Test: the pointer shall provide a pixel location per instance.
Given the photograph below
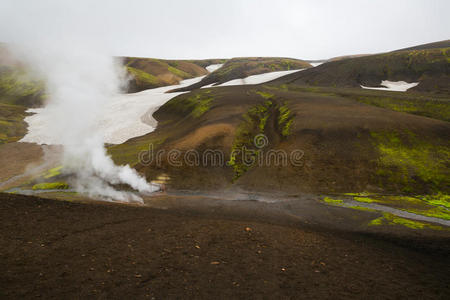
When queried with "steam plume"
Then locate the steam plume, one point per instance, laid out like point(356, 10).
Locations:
point(80, 81)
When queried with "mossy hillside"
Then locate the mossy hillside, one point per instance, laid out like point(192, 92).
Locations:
point(428, 107)
point(151, 72)
point(178, 72)
point(247, 66)
point(430, 67)
point(423, 104)
point(143, 78)
point(12, 125)
point(19, 88)
point(254, 123)
point(193, 104)
point(128, 153)
point(285, 116)
point(411, 164)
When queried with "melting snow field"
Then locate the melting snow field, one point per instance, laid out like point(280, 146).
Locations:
point(126, 116)
point(255, 79)
point(396, 86)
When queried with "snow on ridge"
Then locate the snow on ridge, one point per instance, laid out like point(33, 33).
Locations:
point(212, 68)
point(254, 79)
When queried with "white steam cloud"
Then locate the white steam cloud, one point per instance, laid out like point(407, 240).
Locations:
point(80, 81)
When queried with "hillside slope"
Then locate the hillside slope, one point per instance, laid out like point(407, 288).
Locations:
point(242, 67)
point(18, 91)
point(431, 68)
point(346, 145)
point(434, 45)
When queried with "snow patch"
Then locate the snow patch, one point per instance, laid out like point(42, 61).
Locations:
point(125, 117)
point(212, 68)
point(396, 86)
point(257, 79)
point(315, 64)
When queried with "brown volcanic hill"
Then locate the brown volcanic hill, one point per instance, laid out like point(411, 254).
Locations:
point(150, 72)
point(347, 145)
point(431, 68)
point(242, 67)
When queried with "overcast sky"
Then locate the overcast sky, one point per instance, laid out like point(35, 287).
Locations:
point(228, 28)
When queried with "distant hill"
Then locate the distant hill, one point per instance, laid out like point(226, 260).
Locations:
point(242, 67)
point(441, 44)
point(429, 67)
point(147, 73)
point(347, 57)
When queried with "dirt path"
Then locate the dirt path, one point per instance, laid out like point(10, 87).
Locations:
point(57, 249)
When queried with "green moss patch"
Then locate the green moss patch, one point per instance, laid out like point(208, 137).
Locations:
point(143, 77)
point(436, 206)
point(390, 219)
point(265, 95)
point(438, 199)
point(333, 201)
point(51, 186)
point(285, 120)
point(178, 72)
point(128, 153)
point(12, 125)
point(422, 106)
point(411, 164)
point(254, 123)
point(193, 104)
point(365, 199)
point(18, 88)
point(52, 172)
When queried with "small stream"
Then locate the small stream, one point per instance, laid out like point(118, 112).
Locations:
point(396, 212)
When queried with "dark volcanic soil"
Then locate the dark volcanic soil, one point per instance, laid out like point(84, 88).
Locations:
point(56, 249)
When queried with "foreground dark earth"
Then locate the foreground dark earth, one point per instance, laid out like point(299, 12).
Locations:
point(56, 249)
